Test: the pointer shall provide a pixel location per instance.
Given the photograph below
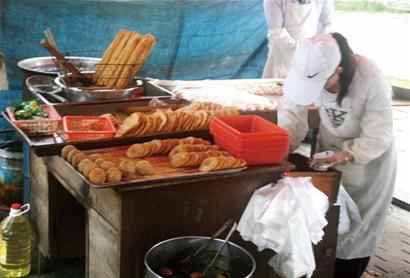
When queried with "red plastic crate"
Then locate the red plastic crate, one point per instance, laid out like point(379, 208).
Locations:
point(38, 127)
point(250, 131)
point(252, 138)
point(81, 128)
point(253, 157)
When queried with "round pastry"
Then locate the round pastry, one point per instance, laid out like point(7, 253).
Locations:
point(98, 161)
point(128, 168)
point(143, 167)
point(114, 175)
point(97, 176)
point(88, 168)
point(105, 165)
point(77, 158)
point(71, 155)
point(83, 163)
point(95, 156)
point(66, 150)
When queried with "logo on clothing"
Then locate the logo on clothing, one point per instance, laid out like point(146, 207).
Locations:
point(313, 75)
point(337, 116)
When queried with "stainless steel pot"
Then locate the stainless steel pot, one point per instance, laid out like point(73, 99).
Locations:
point(234, 260)
point(77, 94)
point(47, 66)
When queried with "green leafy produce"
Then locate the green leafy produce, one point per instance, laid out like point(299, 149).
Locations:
point(28, 110)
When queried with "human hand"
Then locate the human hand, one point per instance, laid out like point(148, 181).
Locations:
point(340, 158)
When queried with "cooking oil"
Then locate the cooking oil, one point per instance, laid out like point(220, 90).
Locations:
point(15, 243)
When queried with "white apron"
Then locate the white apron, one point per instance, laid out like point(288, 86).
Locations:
point(362, 126)
point(300, 22)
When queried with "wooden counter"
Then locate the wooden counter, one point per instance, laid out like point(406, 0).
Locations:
point(115, 228)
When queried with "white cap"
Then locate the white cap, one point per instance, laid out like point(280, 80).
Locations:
point(314, 61)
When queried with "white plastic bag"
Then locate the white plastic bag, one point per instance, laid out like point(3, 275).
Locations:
point(296, 259)
point(286, 218)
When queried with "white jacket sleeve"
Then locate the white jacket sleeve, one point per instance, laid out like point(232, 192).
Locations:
point(326, 9)
point(376, 125)
point(275, 18)
point(293, 118)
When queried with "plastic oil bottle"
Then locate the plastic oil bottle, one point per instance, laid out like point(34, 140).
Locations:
point(15, 243)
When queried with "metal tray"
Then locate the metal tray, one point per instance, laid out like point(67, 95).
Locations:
point(149, 89)
point(52, 144)
point(159, 161)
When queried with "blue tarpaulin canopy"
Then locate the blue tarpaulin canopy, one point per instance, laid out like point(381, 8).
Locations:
point(196, 39)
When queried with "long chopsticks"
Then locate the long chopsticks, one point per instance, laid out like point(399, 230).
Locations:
point(50, 44)
point(50, 37)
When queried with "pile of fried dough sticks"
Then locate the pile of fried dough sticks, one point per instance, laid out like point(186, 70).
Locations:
point(123, 59)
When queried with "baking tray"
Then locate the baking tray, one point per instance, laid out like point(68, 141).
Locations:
point(52, 144)
point(162, 169)
point(149, 89)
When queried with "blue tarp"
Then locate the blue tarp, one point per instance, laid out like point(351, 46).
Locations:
point(196, 39)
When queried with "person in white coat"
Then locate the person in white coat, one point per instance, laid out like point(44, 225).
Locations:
point(288, 22)
point(354, 102)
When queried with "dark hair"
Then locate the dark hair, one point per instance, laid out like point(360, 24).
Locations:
point(347, 63)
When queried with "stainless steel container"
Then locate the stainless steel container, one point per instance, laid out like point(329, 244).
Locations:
point(234, 260)
point(76, 94)
point(47, 66)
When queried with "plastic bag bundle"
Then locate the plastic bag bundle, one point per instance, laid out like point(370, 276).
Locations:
point(286, 218)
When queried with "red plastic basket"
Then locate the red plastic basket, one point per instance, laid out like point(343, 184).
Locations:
point(253, 157)
point(81, 128)
point(38, 127)
point(250, 131)
point(252, 138)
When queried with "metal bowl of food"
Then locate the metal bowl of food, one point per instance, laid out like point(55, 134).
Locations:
point(48, 65)
point(80, 89)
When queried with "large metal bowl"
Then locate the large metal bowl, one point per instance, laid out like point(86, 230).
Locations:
point(48, 65)
point(235, 260)
point(77, 94)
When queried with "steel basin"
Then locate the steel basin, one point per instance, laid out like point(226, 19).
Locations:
point(76, 94)
point(48, 65)
point(235, 260)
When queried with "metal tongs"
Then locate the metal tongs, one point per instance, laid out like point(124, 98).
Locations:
point(207, 242)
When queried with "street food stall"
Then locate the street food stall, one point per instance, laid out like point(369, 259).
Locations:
point(118, 165)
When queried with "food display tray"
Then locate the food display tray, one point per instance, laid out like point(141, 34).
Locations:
point(52, 144)
point(162, 170)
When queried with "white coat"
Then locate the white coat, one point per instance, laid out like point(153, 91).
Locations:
point(363, 127)
point(288, 22)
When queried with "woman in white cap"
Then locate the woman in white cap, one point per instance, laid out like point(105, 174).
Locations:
point(354, 101)
point(288, 22)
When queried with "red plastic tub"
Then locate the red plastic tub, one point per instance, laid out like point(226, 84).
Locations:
point(81, 128)
point(253, 157)
point(252, 138)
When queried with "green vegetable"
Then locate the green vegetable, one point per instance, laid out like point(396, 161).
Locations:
point(28, 110)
